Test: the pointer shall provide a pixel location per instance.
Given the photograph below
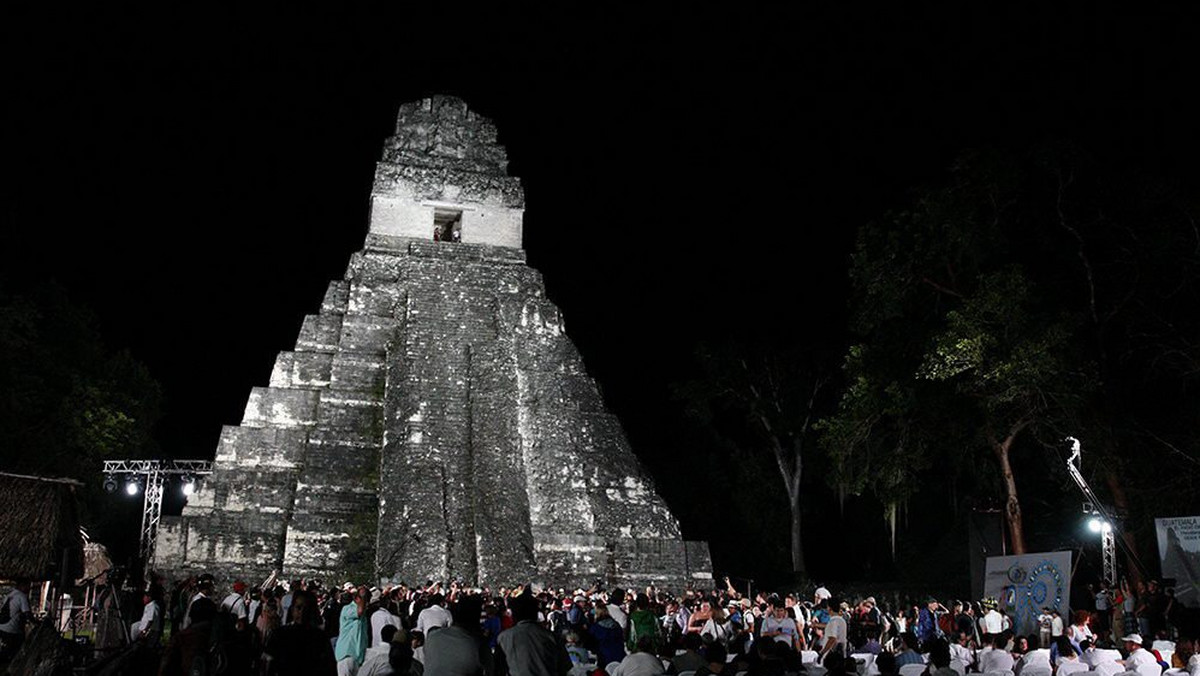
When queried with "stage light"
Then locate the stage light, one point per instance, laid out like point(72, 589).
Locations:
point(110, 484)
point(189, 486)
point(1106, 527)
point(1096, 525)
point(132, 487)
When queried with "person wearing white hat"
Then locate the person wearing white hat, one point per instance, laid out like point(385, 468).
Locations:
point(1139, 657)
point(821, 594)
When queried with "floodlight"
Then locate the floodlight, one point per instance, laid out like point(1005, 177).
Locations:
point(132, 487)
point(110, 484)
point(189, 486)
point(1096, 525)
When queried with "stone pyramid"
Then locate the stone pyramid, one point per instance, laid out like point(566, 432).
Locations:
point(434, 421)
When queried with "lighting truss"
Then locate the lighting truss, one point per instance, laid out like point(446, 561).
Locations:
point(153, 474)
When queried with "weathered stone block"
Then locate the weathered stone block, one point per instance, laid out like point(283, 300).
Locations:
point(280, 407)
point(260, 447)
point(302, 369)
point(367, 334)
point(335, 299)
point(358, 372)
point(320, 333)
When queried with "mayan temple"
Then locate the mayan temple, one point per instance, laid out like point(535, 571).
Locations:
point(433, 421)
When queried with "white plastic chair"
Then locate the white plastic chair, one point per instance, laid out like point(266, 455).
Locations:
point(959, 667)
point(611, 667)
point(1067, 667)
point(1108, 654)
point(808, 656)
point(1006, 672)
point(866, 664)
point(1150, 669)
point(1035, 670)
point(912, 670)
point(1108, 668)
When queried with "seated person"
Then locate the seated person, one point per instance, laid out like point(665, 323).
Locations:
point(909, 655)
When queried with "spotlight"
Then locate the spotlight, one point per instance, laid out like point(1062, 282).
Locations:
point(189, 486)
point(110, 484)
point(1106, 527)
point(132, 487)
point(1096, 525)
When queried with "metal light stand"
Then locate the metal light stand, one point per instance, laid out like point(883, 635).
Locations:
point(1108, 540)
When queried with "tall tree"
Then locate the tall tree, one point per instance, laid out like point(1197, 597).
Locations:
point(763, 401)
point(958, 342)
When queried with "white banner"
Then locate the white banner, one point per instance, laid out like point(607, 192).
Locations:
point(1179, 554)
point(1026, 583)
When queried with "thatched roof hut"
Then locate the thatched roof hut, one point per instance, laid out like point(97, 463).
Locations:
point(38, 526)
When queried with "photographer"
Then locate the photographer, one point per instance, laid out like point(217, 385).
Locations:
point(15, 612)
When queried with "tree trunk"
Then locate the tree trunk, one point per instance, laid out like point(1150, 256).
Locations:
point(1012, 506)
point(797, 543)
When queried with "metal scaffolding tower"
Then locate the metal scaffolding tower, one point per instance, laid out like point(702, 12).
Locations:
point(152, 475)
point(1107, 523)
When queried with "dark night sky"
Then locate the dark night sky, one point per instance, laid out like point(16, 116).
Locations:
point(197, 180)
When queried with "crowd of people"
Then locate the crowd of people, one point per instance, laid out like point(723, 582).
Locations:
point(304, 627)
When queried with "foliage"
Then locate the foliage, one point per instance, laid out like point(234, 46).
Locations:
point(67, 403)
point(1008, 305)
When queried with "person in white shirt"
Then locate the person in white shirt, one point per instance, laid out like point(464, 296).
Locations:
point(780, 627)
point(997, 659)
point(434, 617)
point(641, 662)
point(1068, 661)
point(1080, 630)
point(285, 604)
point(615, 610)
point(836, 632)
point(1037, 659)
point(375, 663)
point(382, 617)
point(1056, 624)
point(13, 631)
point(959, 650)
point(1139, 657)
point(1045, 623)
point(235, 603)
point(992, 622)
point(149, 627)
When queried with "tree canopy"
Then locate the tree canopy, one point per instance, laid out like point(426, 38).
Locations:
point(1027, 298)
point(67, 402)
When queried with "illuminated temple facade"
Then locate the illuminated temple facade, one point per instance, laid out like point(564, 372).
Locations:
point(434, 421)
